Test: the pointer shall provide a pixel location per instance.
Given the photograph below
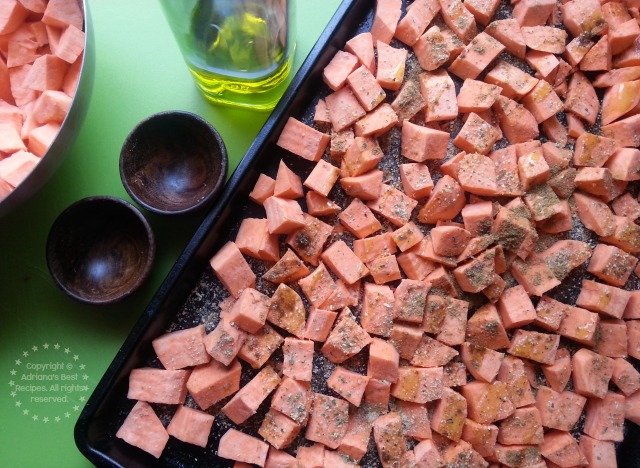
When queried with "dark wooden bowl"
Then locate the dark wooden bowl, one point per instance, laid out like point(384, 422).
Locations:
point(173, 162)
point(100, 250)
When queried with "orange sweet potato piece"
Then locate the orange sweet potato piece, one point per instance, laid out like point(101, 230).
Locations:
point(143, 429)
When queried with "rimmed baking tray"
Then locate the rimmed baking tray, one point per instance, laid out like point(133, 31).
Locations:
point(190, 294)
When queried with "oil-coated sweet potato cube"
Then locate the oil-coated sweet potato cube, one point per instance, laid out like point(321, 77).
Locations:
point(453, 325)
point(263, 189)
point(232, 269)
point(143, 429)
point(255, 240)
point(365, 88)
point(523, 427)
point(626, 205)
point(410, 300)
point(359, 219)
point(415, 419)
point(431, 50)
point(298, 359)
point(487, 402)
point(377, 309)
point(446, 201)
point(506, 170)
point(542, 101)
point(408, 101)
point(439, 92)
point(246, 401)
point(538, 347)
point(514, 83)
point(591, 373)
point(477, 96)
point(432, 353)
point(365, 187)
point(633, 338)
point(579, 325)
point(625, 377)
point(513, 373)
point(158, 385)
point(449, 415)
point(378, 393)
point(603, 298)
point(482, 363)
point(455, 374)
point(293, 399)
point(209, 383)
point(485, 328)
point(611, 339)
point(181, 348)
point(383, 361)
point(224, 342)
point(476, 274)
point(279, 430)
point(482, 10)
point(344, 263)
point(393, 205)
point(626, 235)
point(516, 122)
point(405, 338)
point(449, 241)
point(288, 269)
point(545, 64)
point(416, 180)
point(559, 410)
point(370, 248)
point(302, 140)
point(422, 143)
point(459, 19)
point(319, 323)
point(558, 374)
point(482, 437)
point(328, 420)
point(191, 425)
point(476, 172)
point(389, 438)
point(414, 265)
point(258, 347)
point(391, 65)
point(348, 384)
point(476, 56)
point(250, 311)
point(611, 264)
point(318, 286)
point(355, 442)
point(419, 385)
point(595, 214)
point(322, 177)
point(507, 32)
point(286, 310)
point(623, 164)
point(476, 135)
point(535, 276)
point(550, 313)
point(593, 150)
point(312, 456)
point(346, 339)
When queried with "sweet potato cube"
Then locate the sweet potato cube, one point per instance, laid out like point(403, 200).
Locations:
point(538, 347)
point(602, 298)
point(298, 359)
point(533, 12)
point(516, 308)
point(513, 373)
point(355, 442)
point(514, 83)
point(449, 415)
point(302, 140)
point(322, 178)
point(258, 347)
point(485, 328)
point(143, 429)
point(605, 417)
point(477, 173)
point(482, 437)
point(591, 373)
point(405, 338)
point(283, 215)
point(446, 201)
point(410, 300)
point(312, 456)
point(476, 135)
point(625, 377)
point(359, 219)
point(507, 31)
point(336, 72)
point(393, 205)
point(593, 150)
point(319, 323)
point(377, 309)
point(611, 264)
point(158, 385)
point(561, 448)
point(611, 338)
point(432, 353)
point(341, 259)
point(523, 427)
point(598, 453)
point(181, 348)
point(431, 49)
point(558, 374)
point(365, 88)
point(344, 110)
point(232, 269)
point(418, 16)
point(419, 385)
point(422, 143)
point(439, 92)
point(263, 189)
point(579, 325)
point(477, 96)
point(385, 20)
point(477, 274)
point(346, 339)
point(250, 311)
point(453, 325)
point(459, 19)
point(209, 383)
point(191, 425)
point(47, 72)
point(476, 56)
point(408, 101)
point(623, 164)
point(633, 338)
point(255, 240)
point(391, 65)
point(487, 402)
point(542, 101)
point(293, 399)
point(224, 342)
point(348, 384)
point(377, 122)
point(286, 310)
point(388, 435)
point(535, 276)
point(559, 410)
point(328, 420)
point(482, 363)
point(246, 401)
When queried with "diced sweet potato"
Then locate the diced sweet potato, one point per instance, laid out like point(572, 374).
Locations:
point(328, 420)
point(303, 140)
point(143, 429)
point(212, 382)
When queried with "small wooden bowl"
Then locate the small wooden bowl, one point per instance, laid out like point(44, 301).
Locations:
point(100, 250)
point(173, 162)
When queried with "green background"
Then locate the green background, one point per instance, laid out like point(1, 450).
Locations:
point(138, 71)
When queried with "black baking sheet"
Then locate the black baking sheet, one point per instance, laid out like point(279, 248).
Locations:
point(190, 294)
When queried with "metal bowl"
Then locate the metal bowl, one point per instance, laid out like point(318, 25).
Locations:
point(69, 128)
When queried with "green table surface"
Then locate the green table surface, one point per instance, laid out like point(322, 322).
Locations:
point(51, 346)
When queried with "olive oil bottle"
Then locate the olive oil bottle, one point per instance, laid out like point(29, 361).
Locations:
point(239, 52)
